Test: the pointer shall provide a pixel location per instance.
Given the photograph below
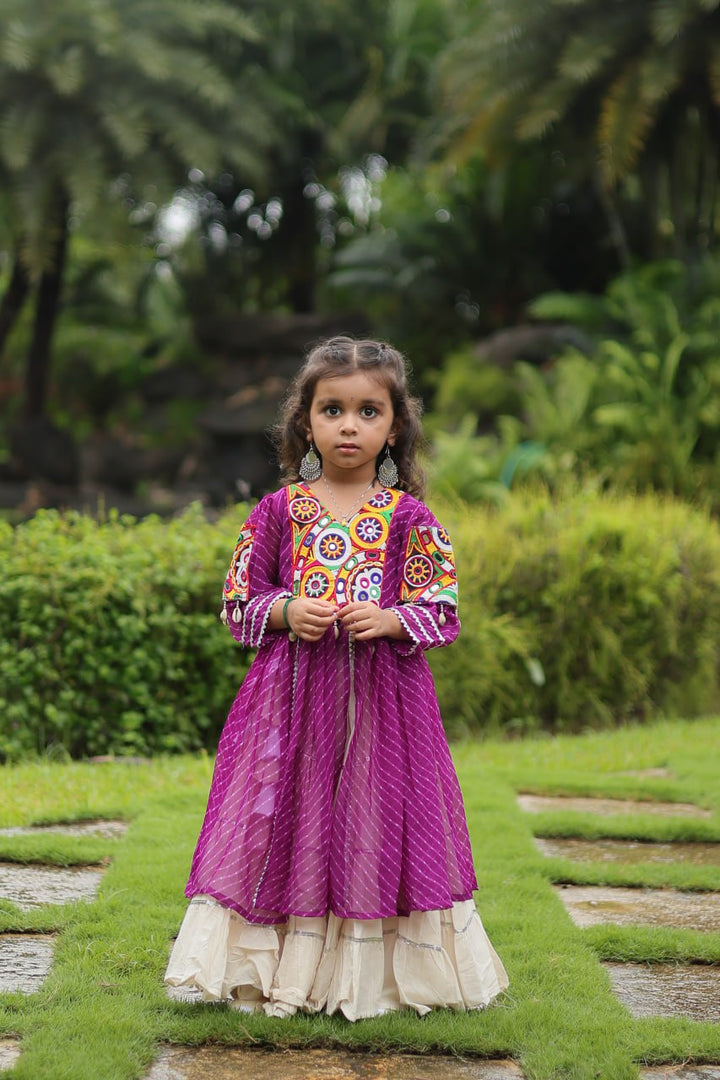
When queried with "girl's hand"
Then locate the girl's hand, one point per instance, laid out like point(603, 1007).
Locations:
point(366, 620)
point(310, 619)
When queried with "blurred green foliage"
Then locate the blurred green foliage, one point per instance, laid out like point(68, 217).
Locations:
point(641, 411)
point(435, 164)
point(626, 92)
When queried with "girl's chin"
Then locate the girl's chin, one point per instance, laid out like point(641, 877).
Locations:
point(343, 467)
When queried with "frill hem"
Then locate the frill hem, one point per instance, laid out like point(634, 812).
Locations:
point(426, 960)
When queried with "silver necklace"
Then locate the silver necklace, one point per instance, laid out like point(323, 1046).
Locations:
point(343, 518)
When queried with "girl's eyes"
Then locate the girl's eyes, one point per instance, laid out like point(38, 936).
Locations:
point(368, 411)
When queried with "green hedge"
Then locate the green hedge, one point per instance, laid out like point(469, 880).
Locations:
point(587, 612)
point(582, 613)
point(110, 640)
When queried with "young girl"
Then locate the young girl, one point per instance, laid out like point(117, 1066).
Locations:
point(333, 869)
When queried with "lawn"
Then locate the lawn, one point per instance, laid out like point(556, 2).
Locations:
point(103, 1010)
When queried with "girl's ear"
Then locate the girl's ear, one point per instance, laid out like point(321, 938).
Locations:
point(302, 427)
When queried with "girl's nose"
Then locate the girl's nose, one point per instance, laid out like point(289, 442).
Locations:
point(349, 423)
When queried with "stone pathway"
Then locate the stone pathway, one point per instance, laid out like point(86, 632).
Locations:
point(657, 773)
point(628, 851)
point(185, 1063)
point(25, 960)
point(9, 1053)
point(673, 990)
point(589, 905)
point(108, 830)
point(680, 1072)
point(691, 990)
point(30, 886)
point(539, 804)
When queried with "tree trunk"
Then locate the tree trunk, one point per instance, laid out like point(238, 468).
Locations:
point(677, 204)
point(13, 299)
point(46, 311)
point(300, 237)
point(301, 265)
point(618, 236)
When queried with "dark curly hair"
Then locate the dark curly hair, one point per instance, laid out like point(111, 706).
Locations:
point(343, 356)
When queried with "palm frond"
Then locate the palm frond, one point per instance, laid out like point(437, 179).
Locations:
point(66, 71)
point(582, 60)
point(628, 112)
point(546, 107)
point(669, 19)
point(17, 45)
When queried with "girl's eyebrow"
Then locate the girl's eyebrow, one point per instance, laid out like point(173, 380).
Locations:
point(375, 402)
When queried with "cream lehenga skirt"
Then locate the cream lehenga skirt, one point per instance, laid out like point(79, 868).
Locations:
point(428, 959)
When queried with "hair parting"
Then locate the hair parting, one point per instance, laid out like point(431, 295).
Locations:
point(343, 356)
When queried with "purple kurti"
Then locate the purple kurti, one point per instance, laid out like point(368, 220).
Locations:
point(334, 789)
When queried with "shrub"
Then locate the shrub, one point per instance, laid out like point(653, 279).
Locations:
point(640, 412)
point(582, 612)
point(109, 635)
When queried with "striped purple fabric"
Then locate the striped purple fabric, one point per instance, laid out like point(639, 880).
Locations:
point(334, 789)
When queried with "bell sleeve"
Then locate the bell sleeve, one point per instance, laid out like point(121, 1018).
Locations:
point(427, 606)
point(251, 587)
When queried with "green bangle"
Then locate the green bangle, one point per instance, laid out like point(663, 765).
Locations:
point(284, 610)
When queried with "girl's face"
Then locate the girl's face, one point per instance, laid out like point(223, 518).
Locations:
point(351, 419)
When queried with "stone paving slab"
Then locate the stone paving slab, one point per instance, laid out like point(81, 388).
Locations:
point(30, 886)
point(628, 851)
point(538, 804)
point(106, 829)
point(589, 905)
point(653, 773)
point(9, 1053)
point(680, 1072)
point(25, 960)
point(687, 990)
point(185, 1063)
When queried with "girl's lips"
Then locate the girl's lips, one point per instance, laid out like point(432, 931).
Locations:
point(347, 447)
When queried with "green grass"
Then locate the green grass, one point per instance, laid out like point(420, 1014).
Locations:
point(103, 1011)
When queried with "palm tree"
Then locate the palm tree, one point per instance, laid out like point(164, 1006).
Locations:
point(95, 93)
point(636, 83)
point(345, 81)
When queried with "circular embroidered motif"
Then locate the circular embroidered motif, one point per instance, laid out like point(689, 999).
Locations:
point(362, 581)
point(304, 509)
point(369, 530)
point(332, 546)
point(442, 539)
point(381, 499)
point(317, 583)
point(418, 571)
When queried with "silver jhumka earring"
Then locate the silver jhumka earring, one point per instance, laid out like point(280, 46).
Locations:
point(388, 473)
point(310, 465)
